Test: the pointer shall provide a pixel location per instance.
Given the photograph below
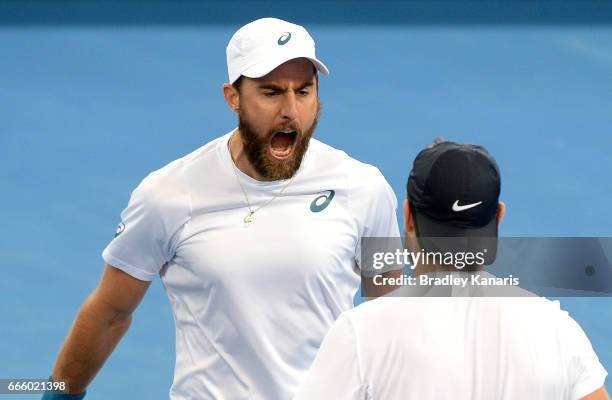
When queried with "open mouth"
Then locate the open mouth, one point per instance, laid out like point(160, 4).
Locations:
point(282, 144)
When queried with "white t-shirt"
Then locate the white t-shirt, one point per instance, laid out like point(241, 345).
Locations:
point(471, 348)
point(252, 304)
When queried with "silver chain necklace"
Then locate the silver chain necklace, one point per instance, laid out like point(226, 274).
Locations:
point(248, 218)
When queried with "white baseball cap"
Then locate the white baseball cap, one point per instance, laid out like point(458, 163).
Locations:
point(262, 45)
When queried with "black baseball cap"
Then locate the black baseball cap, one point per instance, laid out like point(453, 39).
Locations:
point(454, 192)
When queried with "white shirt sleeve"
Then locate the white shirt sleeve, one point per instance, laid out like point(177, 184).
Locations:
point(336, 371)
point(374, 204)
point(150, 225)
point(586, 372)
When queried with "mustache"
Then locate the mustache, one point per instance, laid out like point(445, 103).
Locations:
point(291, 126)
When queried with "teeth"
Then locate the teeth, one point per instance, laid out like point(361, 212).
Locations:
point(287, 131)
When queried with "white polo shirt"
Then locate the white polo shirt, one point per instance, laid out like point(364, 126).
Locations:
point(252, 304)
point(470, 348)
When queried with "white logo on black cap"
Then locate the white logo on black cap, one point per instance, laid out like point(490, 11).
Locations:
point(458, 208)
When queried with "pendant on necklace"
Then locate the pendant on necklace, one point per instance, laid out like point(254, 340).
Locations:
point(248, 218)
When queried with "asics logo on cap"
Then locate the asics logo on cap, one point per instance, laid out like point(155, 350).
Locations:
point(458, 208)
point(284, 38)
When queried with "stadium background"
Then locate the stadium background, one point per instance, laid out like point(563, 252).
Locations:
point(94, 95)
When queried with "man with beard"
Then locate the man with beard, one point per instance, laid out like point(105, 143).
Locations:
point(255, 236)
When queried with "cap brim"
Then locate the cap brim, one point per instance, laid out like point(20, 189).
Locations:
point(265, 67)
point(435, 236)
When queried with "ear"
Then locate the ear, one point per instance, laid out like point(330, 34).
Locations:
point(501, 212)
point(408, 219)
point(232, 96)
point(410, 241)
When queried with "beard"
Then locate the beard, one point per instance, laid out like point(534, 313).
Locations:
point(256, 147)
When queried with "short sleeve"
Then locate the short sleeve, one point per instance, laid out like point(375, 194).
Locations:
point(374, 204)
point(336, 371)
point(585, 371)
point(150, 225)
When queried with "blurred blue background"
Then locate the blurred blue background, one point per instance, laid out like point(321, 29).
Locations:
point(92, 101)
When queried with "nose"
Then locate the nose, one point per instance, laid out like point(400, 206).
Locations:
point(289, 107)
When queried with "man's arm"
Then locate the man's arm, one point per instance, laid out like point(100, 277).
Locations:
point(101, 322)
point(336, 372)
point(599, 394)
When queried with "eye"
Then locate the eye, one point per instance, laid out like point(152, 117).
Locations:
point(271, 93)
point(303, 92)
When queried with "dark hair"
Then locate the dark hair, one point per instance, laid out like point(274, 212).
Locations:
point(237, 83)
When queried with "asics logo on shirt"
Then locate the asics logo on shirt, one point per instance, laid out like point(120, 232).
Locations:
point(457, 207)
point(120, 229)
point(321, 202)
point(284, 38)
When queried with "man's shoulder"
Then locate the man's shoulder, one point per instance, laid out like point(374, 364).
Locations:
point(173, 171)
point(169, 182)
point(205, 151)
point(376, 311)
point(325, 152)
point(359, 172)
point(539, 309)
